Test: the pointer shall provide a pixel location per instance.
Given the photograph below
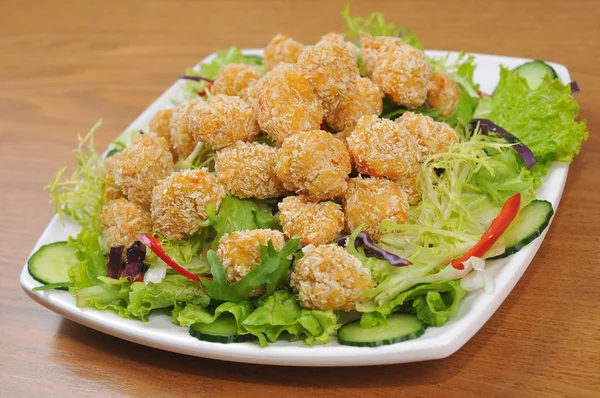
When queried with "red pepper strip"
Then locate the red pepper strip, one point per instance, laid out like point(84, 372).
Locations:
point(496, 229)
point(156, 247)
point(208, 87)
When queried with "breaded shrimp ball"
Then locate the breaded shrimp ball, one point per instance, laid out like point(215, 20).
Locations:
point(331, 70)
point(402, 72)
point(247, 170)
point(179, 202)
point(122, 220)
point(366, 99)
point(382, 148)
point(160, 124)
point(315, 164)
point(239, 252)
point(371, 46)
point(282, 49)
point(285, 103)
point(328, 278)
point(234, 79)
point(338, 38)
point(431, 136)
point(111, 166)
point(412, 189)
point(183, 141)
point(222, 121)
point(315, 223)
point(139, 167)
point(442, 94)
point(369, 201)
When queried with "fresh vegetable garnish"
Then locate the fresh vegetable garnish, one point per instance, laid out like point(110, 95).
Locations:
point(196, 78)
point(574, 87)
point(114, 262)
point(487, 125)
point(372, 250)
point(496, 229)
point(154, 244)
point(136, 254)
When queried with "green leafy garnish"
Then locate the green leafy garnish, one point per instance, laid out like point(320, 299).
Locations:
point(271, 272)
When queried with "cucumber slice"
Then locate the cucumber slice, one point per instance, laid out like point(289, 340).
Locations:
point(534, 72)
point(531, 221)
point(222, 330)
point(400, 327)
point(51, 263)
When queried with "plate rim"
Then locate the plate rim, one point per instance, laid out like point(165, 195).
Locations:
point(277, 354)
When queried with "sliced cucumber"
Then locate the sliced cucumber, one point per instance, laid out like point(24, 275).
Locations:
point(531, 221)
point(222, 330)
point(400, 327)
point(534, 72)
point(51, 263)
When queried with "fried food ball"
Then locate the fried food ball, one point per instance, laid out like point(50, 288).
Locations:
point(160, 124)
point(122, 220)
point(315, 164)
point(442, 94)
point(382, 148)
point(222, 121)
point(239, 252)
point(431, 136)
point(338, 38)
point(247, 170)
point(369, 201)
point(182, 137)
point(112, 191)
point(366, 99)
point(400, 70)
point(285, 103)
point(234, 79)
point(314, 223)
point(411, 188)
point(139, 167)
point(328, 278)
point(331, 70)
point(179, 202)
point(282, 49)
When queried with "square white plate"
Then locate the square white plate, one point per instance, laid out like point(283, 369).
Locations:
point(437, 342)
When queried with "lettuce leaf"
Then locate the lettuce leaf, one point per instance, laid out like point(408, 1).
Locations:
point(375, 25)
point(92, 262)
point(238, 215)
point(544, 118)
point(108, 295)
point(189, 314)
point(271, 272)
point(433, 303)
point(280, 313)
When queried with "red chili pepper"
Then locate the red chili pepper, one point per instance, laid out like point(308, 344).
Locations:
point(480, 93)
point(496, 229)
point(208, 87)
point(156, 247)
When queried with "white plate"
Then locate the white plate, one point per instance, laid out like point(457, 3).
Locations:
point(437, 342)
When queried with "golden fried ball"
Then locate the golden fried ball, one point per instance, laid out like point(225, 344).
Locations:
point(314, 223)
point(179, 202)
point(328, 278)
point(285, 103)
point(223, 121)
point(182, 137)
point(339, 39)
point(239, 252)
point(431, 136)
point(382, 148)
point(331, 70)
point(122, 220)
point(371, 46)
point(366, 99)
point(111, 166)
point(234, 79)
point(315, 164)
point(442, 94)
point(160, 124)
point(282, 49)
point(139, 167)
point(411, 188)
point(369, 201)
point(247, 170)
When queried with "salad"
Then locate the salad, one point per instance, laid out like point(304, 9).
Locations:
point(352, 189)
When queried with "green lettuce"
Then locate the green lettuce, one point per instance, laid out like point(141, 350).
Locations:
point(92, 262)
point(271, 272)
point(375, 25)
point(111, 294)
point(433, 303)
point(544, 118)
point(281, 313)
point(238, 215)
point(189, 314)
point(188, 252)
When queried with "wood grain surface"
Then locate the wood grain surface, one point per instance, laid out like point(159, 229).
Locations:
point(64, 64)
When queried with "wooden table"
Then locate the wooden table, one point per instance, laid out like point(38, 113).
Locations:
point(64, 64)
